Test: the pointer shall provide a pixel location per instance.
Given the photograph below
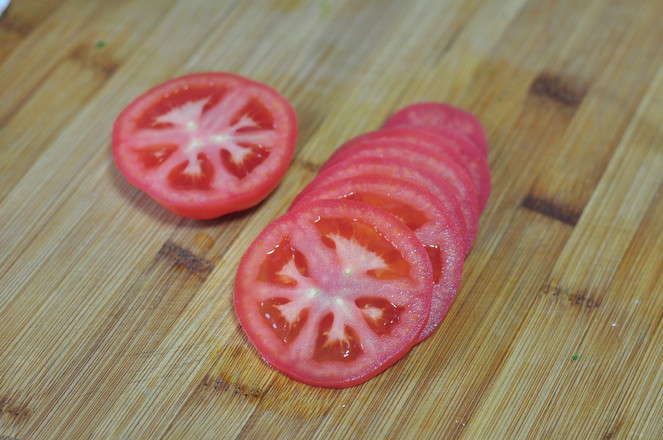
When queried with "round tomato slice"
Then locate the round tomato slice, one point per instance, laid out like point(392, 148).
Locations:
point(403, 169)
point(334, 292)
point(427, 157)
point(459, 148)
point(206, 144)
point(423, 213)
point(434, 115)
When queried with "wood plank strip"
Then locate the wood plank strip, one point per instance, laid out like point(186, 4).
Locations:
point(89, 186)
point(618, 204)
point(36, 55)
point(614, 95)
point(573, 319)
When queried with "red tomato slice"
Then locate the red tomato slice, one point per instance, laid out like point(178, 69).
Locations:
point(423, 213)
point(459, 148)
point(433, 115)
point(427, 157)
point(403, 169)
point(333, 293)
point(206, 144)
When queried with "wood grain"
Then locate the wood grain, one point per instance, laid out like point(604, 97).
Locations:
point(116, 317)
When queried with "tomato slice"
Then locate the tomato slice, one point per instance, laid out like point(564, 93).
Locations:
point(206, 144)
point(423, 213)
point(334, 292)
point(403, 169)
point(427, 157)
point(435, 115)
point(457, 146)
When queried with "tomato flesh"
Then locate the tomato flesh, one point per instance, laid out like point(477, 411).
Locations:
point(206, 144)
point(435, 115)
point(333, 293)
point(417, 208)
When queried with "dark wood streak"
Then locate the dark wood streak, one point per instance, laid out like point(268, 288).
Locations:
point(97, 59)
point(181, 257)
point(558, 89)
point(220, 384)
point(565, 214)
point(16, 26)
point(22, 22)
point(613, 431)
point(19, 412)
point(437, 57)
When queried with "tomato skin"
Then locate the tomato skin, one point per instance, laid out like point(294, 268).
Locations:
point(203, 197)
point(403, 169)
point(435, 115)
point(304, 358)
point(461, 150)
point(425, 156)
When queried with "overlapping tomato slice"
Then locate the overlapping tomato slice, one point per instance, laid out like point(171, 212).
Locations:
point(425, 156)
point(206, 144)
point(438, 115)
point(333, 294)
point(403, 169)
point(369, 258)
point(459, 149)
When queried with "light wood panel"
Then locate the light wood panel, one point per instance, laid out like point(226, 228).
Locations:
point(116, 317)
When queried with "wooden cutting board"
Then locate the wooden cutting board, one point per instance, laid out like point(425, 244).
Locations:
point(116, 317)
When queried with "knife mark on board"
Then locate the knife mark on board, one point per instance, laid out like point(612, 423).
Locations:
point(184, 258)
point(578, 297)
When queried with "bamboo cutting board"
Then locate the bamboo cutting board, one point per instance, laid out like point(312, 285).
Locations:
point(116, 317)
